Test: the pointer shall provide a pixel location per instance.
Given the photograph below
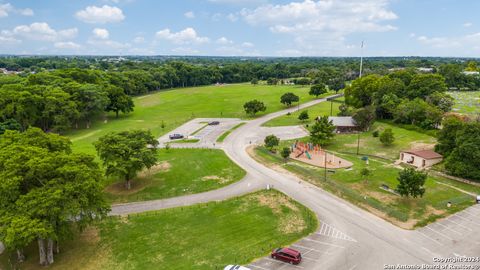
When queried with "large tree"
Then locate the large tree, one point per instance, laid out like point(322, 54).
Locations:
point(464, 159)
point(423, 85)
point(364, 117)
point(289, 98)
point(126, 153)
point(317, 89)
point(411, 183)
point(254, 106)
point(46, 192)
point(447, 136)
point(118, 101)
point(322, 131)
point(271, 141)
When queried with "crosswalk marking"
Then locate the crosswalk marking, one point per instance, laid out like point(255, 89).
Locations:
point(330, 231)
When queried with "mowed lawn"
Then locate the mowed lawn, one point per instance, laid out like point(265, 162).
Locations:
point(404, 139)
point(350, 185)
point(321, 109)
point(205, 236)
point(177, 106)
point(467, 102)
point(180, 172)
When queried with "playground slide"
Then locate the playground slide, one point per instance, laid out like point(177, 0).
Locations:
point(308, 155)
point(301, 153)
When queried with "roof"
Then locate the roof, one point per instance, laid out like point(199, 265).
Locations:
point(342, 121)
point(426, 154)
point(290, 251)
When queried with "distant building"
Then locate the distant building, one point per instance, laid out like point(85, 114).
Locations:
point(420, 158)
point(425, 70)
point(344, 124)
point(471, 72)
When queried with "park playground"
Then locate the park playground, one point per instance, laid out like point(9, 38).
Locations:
point(316, 156)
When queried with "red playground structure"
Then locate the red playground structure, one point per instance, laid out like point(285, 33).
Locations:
point(315, 155)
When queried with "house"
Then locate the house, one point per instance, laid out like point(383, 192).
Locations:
point(420, 158)
point(469, 73)
point(343, 124)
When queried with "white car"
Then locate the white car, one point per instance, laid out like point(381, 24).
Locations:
point(235, 267)
point(478, 199)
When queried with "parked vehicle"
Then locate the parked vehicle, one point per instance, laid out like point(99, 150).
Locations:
point(214, 123)
point(287, 255)
point(478, 198)
point(176, 136)
point(235, 267)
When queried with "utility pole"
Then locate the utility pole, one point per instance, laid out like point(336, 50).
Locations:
point(325, 163)
point(358, 143)
point(361, 60)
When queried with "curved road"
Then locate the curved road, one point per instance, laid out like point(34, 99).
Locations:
point(349, 237)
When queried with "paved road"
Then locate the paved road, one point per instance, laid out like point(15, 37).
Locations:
point(349, 237)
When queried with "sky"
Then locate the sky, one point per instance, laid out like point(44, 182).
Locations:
point(241, 27)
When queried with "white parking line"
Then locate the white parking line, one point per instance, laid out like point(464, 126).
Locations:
point(467, 213)
point(255, 266)
point(310, 249)
point(442, 234)
point(323, 243)
point(438, 223)
point(468, 220)
point(429, 237)
point(450, 220)
point(434, 254)
point(353, 267)
point(284, 263)
point(472, 212)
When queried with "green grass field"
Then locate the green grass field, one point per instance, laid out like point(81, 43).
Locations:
point(467, 102)
point(320, 109)
point(180, 172)
point(205, 236)
point(404, 139)
point(222, 137)
point(348, 184)
point(175, 107)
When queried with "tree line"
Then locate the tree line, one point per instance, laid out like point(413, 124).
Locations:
point(404, 96)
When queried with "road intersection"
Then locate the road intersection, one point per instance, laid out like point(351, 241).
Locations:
point(348, 237)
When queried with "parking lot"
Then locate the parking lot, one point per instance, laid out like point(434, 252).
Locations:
point(457, 227)
point(317, 250)
point(206, 134)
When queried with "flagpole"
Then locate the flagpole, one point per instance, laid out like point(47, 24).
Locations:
point(361, 60)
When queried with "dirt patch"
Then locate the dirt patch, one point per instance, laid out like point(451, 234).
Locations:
point(220, 180)
point(275, 202)
point(383, 197)
point(354, 144)
point(292, 224)
point(433, 211)
point(421, 145)
point(90, 235)
point(163, 166)
point(408, 225)
point(120, 189)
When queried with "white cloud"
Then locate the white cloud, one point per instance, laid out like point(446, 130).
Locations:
point(108, 44)
point(185, 51)
point(186, 36)
point(189, 15)
point(67, 45)
point(43, 32)
point(5, 9)
point(321, 27)
point(7, 40)
point(104, 14)
point(139, 40)
point(467, 44)
point(247, 44)
point(100, 33)
point(232, 17)
point(224, 41)
point(239, 2)
point(467, 24)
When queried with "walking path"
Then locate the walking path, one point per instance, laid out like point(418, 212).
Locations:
point(353, 238)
